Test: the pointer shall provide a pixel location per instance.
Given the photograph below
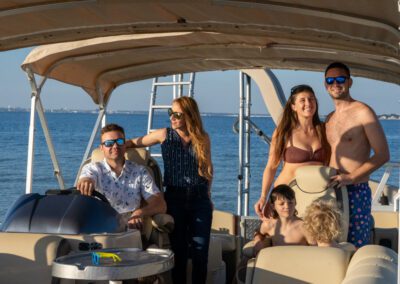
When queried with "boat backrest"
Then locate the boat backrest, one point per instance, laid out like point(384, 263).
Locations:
point(137, 155)
point(27, 257)
point(312, 183)
point(386, 224)
point(223, 227)
point(298, 265)
point(372, 264)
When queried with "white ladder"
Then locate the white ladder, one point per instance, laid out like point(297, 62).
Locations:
point(178, 83)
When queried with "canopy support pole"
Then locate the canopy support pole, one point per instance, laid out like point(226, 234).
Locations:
point(36, 105)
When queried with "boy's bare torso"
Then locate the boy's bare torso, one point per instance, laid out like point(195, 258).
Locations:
point(291, 233)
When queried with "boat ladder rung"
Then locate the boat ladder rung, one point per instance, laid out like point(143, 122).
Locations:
point(161, 106)
point(171, 83)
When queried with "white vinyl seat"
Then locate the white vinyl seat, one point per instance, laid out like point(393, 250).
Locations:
point(372, 264)
point(27, 257)
point(312, 183)
point(298, 265)
point(223, 228)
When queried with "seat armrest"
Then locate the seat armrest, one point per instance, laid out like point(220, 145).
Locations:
point(163, 222)
point(248, 248)
point(251, 264)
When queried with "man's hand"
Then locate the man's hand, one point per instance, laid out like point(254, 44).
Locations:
point(136, 221)
point(341, 180)
point(85, 186)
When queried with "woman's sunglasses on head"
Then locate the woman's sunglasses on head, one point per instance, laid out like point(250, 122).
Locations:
point(110, 143)
point(176, 115)
point(339, 80)
point(298, 88)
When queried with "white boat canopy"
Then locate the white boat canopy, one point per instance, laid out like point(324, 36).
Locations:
point(342, 22)
point(107, 62)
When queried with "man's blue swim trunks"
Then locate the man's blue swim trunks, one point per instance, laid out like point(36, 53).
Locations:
point(360, 214)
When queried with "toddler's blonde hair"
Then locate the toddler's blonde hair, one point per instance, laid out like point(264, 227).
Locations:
point(323, 221)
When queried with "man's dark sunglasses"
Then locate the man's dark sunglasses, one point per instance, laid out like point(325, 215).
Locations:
point(110, 143)
point(177, 115)
point(339, 80)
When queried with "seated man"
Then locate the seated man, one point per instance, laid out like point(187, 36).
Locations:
point(124, 183)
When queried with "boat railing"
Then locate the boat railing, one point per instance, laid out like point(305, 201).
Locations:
point(377, 204)
point(255, 129)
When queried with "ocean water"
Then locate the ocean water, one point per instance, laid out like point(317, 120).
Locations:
point(71, 131)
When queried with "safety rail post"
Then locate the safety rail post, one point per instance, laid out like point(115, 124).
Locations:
point(241, 122)
point(246, 191)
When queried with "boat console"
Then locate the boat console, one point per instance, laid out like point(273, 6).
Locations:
point(62, 212)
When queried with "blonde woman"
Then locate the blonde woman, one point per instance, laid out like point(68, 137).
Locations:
point(298, 140)
point(188, 172)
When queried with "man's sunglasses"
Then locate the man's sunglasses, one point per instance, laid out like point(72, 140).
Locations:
point(339, 80)
point(177, 115)
point(110, 143)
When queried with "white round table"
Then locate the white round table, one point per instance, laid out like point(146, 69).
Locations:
point(135, 263)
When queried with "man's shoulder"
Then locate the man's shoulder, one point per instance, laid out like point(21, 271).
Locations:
point(363, 112)
point(361, 106)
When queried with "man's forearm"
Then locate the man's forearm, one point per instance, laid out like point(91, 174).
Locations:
point(366, 169)
point(155, 206)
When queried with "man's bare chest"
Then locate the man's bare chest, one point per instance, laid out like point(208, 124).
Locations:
point(343, 131)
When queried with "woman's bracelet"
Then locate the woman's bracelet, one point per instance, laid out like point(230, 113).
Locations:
point(257, 232)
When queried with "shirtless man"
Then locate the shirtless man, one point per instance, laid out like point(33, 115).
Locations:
point(352, 131)
point(284, 228)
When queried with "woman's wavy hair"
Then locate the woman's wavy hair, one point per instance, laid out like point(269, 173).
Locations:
point(198, 136)
point(289, 121)
point(323, 221)
point(282, 191)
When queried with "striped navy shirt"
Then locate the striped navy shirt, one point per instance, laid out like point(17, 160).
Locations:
point(180, 162)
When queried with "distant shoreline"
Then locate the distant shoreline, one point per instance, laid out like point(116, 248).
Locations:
point(390, 116)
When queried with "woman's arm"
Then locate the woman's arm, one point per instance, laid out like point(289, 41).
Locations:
point(268, 177)
point(156, 137)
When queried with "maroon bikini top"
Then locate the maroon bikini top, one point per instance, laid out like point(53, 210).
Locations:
point(294, 154)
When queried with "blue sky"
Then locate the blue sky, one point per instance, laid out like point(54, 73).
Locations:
point(215, 91)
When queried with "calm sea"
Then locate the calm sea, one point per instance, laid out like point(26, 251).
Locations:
point(71, 131)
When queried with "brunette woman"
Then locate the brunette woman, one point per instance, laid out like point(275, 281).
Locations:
point(298, 140)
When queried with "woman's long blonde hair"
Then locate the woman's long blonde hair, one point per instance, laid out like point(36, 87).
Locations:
point(289, 121)
point(198, 136)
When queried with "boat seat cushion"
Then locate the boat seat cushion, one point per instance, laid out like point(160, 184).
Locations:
point(299, 264)
point(41, 248)
point(27, 257)
point(372, 264)
point(224, 228)
point(311, 183)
